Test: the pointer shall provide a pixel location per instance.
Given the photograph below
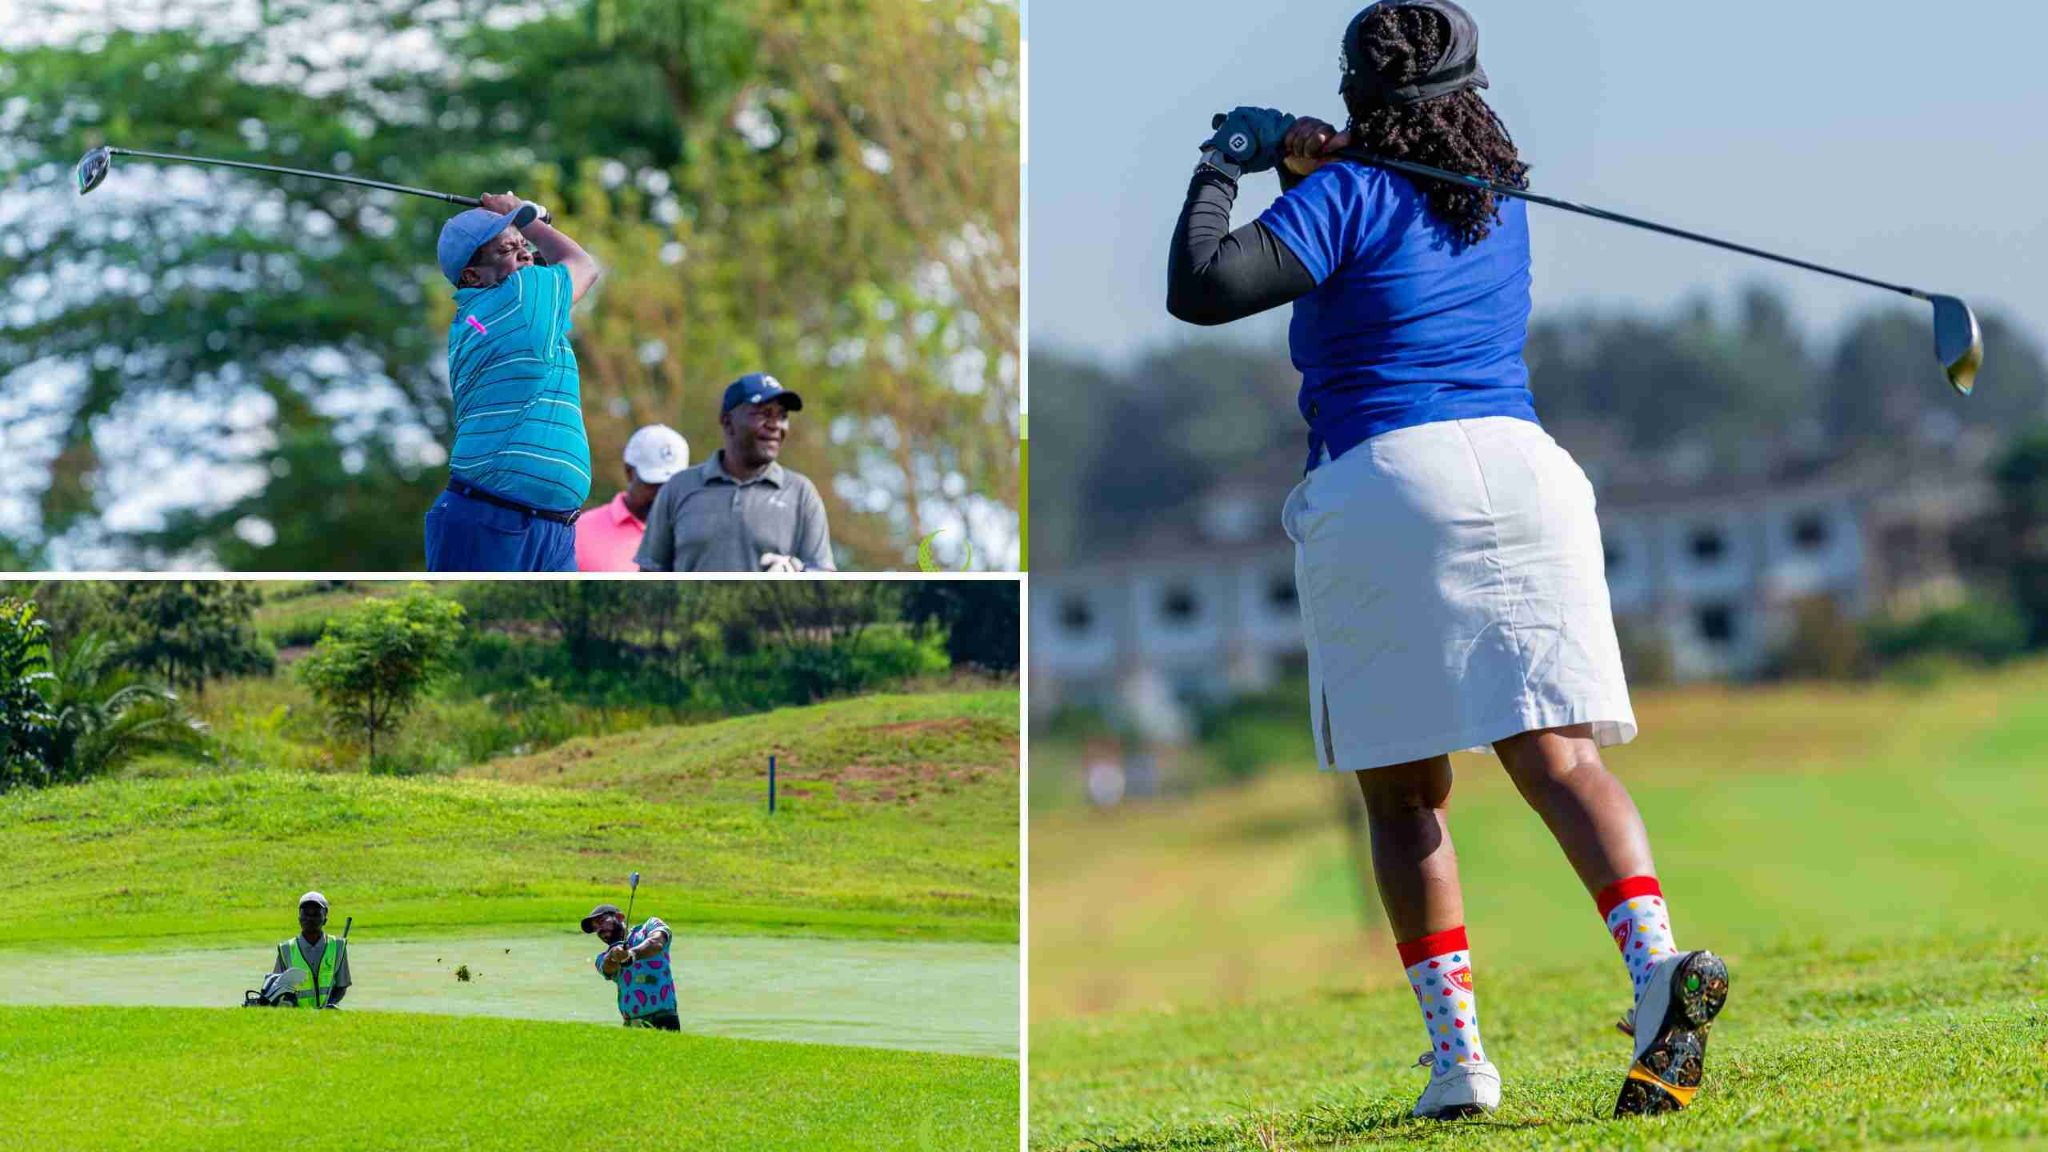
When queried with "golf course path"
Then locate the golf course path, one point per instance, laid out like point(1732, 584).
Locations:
point(959, 998)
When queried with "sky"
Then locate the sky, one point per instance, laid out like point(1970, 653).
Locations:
point(1905, 144)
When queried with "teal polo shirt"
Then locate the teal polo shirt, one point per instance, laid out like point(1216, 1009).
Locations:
point(518, 399)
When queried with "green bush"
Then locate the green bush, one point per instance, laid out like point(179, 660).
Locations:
point(1980, 631)
point(1254, 732)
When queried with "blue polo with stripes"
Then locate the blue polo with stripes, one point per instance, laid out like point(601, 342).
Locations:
point(518, 399)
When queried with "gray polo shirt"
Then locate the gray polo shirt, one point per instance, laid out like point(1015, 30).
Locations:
point(705, 521)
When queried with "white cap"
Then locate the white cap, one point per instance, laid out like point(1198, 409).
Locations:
point(314, 898)
point(656, 453)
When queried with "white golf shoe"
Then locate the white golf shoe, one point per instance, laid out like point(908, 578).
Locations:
point(1670, 1025)
point(1460, 1090)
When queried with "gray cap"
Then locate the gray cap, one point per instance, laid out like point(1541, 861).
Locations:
point(313, 898)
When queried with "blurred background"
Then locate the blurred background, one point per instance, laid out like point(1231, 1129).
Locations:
point(1830, 573)
point(208, 368)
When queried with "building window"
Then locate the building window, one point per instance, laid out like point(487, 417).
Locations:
point(1716, 623)
point(1708, 546)
point(1810, 532)
point(1077, 615)
point(1179, 605)
point(1280, 596)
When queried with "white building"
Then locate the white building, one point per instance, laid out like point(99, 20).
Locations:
point(1704, 571)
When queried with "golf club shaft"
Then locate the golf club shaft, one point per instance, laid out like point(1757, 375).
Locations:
point(1425, 171)
point(345, 926)
point(469, 201)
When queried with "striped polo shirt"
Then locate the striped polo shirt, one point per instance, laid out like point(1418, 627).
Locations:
point(518, 400)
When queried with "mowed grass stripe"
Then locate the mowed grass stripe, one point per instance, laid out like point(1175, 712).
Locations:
point(87, 1078)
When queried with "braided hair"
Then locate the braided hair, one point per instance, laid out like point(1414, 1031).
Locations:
point(1457, 133)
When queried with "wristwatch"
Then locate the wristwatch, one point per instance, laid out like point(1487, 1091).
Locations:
point(1214, 158)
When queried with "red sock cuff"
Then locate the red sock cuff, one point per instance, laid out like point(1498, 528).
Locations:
point(1627, 889)
point(1435, 944)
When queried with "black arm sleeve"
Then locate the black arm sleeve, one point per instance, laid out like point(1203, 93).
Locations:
point(1214, 275)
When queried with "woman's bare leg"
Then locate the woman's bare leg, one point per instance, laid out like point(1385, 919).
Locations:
point(1407, 810)
point(1560, 774)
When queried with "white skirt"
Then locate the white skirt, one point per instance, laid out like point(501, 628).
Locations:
point(1454, 593)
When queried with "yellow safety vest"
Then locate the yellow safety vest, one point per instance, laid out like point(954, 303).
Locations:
point(315, 987)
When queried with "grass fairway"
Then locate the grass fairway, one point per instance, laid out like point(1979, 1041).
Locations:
point(102, 1077)
point(225, 855)
point(1869, 859)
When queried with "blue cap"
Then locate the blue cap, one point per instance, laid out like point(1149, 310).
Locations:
point(463, 234)
point(757, 387)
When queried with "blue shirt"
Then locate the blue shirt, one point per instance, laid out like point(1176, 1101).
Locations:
point(1404, 327)
point(645, 986)
point(518, 399)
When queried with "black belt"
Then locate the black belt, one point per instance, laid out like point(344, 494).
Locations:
point(476, 493)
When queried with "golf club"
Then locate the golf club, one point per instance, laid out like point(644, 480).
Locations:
point(93, 169)
point(345, 926)
point(1958, 341)
point(632, 890)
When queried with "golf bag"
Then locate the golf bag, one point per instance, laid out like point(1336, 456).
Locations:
point(280, 990)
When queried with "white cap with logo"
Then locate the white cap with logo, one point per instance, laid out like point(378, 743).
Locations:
point(656, 453)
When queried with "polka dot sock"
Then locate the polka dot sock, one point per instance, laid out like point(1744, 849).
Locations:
point(1440, 970)
point(1640, 924)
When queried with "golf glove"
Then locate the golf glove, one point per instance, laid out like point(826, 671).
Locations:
point(777, 562)
point(1250, 137)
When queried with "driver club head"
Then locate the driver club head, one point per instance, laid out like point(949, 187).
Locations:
point(92, 170)
point(1958, 341)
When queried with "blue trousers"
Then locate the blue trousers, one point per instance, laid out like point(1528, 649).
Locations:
point(467, 535)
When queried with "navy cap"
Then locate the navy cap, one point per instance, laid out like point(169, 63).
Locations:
point(756, 388)
point(590, 921)
point(466, 232)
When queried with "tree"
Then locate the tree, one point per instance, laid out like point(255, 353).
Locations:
point(103, 717)
point(376, 659)
point(25, 717)
point(68, 716)
point(981, 619)
point(189, 631)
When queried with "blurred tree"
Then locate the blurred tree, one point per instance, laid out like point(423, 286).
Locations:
point(1742, 386)
point(824, 189)
point(2022, 480)
point(188, 631)
point(377, 658)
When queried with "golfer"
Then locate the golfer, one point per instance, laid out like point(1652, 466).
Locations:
point(637, 962)
point(608, 538)
point(1446, 551)
point(741, 510)
point(321, 960)
point(519, 469)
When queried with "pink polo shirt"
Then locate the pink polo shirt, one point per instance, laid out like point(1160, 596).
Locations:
point(607, 538)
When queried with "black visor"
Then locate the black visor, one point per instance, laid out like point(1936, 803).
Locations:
point(1457, 69)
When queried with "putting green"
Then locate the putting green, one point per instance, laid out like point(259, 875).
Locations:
point(959, 998)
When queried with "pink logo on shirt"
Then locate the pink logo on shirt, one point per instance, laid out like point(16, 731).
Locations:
point(477, 324)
